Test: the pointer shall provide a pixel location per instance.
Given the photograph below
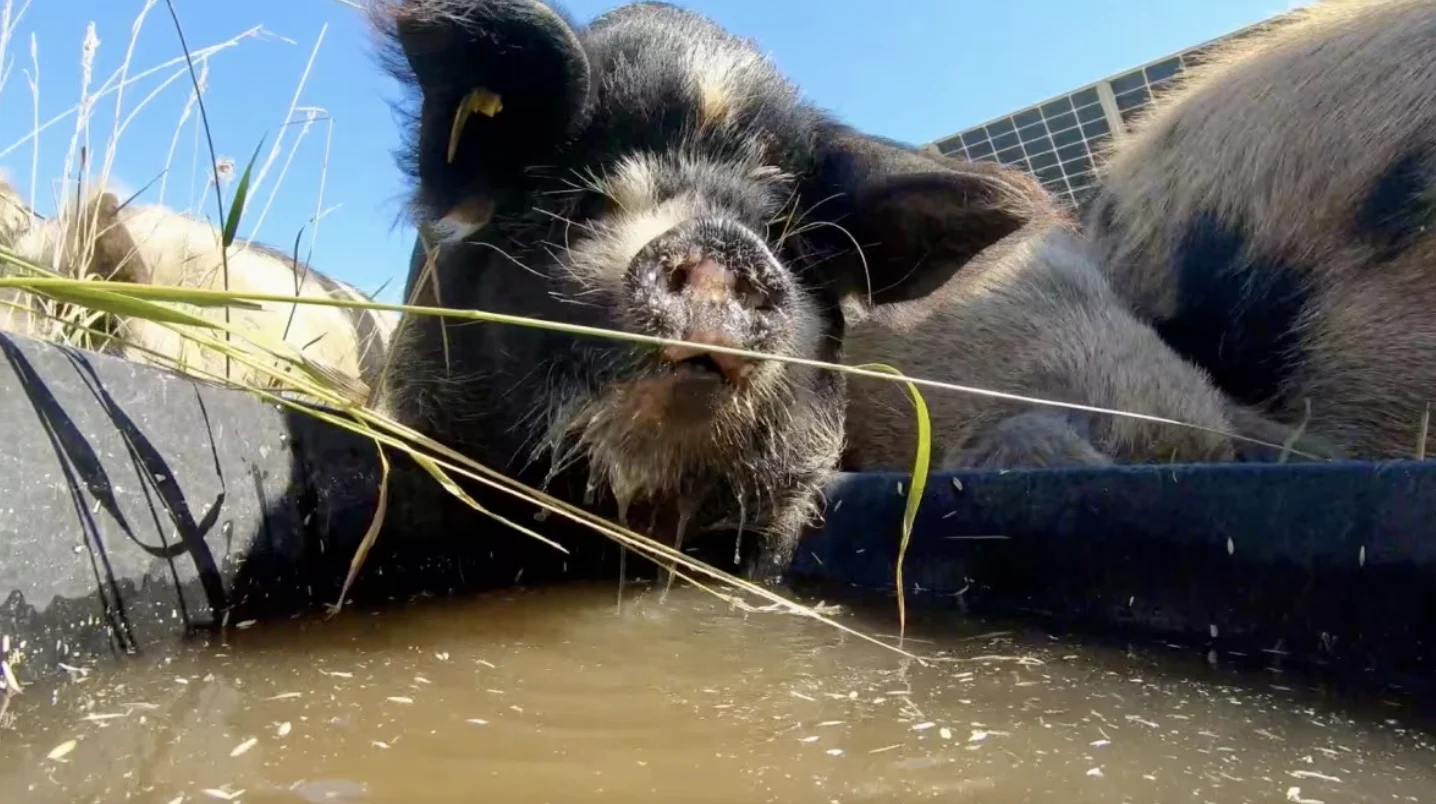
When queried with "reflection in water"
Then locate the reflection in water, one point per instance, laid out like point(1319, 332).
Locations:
point(550, 696)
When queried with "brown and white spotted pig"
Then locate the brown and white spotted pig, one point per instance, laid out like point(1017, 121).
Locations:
point(1033, 315)
point(652, 173)
point(1274, 217)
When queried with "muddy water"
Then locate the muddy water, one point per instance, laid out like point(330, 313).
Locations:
point(550, 696)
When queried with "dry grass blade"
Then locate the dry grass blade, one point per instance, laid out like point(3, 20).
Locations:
point(162, 292)
point(319, 381)
point(918, 485)
point(652, 549)
point(381, 510)
point(438, 473)
point(1286, 448)
point(388, 433)
point(127, 299)
point(1423, 433)
point(405, 438)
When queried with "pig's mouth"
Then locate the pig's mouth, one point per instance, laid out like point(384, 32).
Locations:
point(685, 391)
point(701, 368)
point(698, 365)
point(685, 388)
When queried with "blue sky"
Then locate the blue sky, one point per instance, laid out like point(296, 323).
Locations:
point(914, 70)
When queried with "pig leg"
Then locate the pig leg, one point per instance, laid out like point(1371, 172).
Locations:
point(1028, 440)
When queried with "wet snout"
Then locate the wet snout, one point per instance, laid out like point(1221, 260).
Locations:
point(714, 284)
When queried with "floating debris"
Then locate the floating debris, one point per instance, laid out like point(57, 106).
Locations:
point(244, 746)
point(7, 674)
point(945, 733)
point(835, 752)
point(62, 750)
point(477, 721)
point(284, 729)
point(283, 695)
point(923, 726)
point(1095, 772)
point(1303, 774)
point(399, 699)
point(221, 794)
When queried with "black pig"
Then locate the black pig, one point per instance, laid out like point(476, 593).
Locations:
point(655, 174)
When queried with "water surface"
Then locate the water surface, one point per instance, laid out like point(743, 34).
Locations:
point(551, 696)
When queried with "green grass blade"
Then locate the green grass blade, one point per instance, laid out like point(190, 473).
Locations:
point(48, 283)
point(121, 305)
point(916, 488)
point(241, 193)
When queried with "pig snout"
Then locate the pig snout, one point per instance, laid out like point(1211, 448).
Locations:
point(710, 283)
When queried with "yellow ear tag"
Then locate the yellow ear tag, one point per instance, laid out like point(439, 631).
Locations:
point(482, 101)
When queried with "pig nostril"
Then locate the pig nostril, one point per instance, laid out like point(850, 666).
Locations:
point(710, 279)
point(704, 277)
point(677, 279)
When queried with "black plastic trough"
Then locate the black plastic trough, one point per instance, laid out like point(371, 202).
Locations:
point(138, 507)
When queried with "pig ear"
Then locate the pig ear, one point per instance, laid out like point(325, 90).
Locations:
point(918, 217)
point(114, 253)
point(503, 83)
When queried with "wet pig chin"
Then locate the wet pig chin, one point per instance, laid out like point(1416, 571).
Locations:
point(673, 402)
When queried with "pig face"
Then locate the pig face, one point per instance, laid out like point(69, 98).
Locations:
point(652, 173)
